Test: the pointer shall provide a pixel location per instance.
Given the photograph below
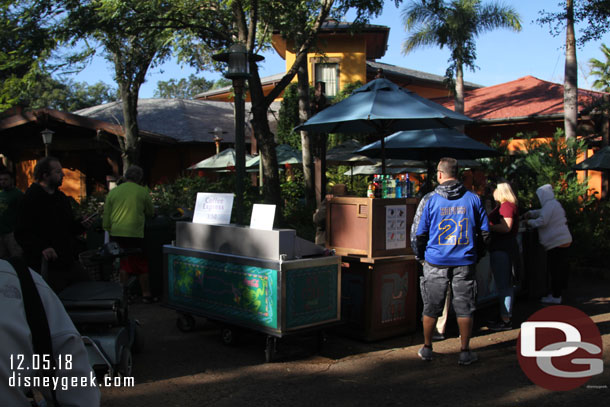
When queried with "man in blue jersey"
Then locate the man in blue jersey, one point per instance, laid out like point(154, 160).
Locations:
point(449, 235)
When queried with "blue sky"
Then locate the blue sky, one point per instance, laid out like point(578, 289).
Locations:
point(502, 55)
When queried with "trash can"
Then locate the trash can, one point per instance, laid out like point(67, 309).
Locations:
point(158, 231)
point(378, 296)
point(535, 279)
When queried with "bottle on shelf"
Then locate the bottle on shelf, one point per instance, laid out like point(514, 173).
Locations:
point(370, 192)
point(398, 187)
point(377, 185)
point(408, 187)
point(384, 187)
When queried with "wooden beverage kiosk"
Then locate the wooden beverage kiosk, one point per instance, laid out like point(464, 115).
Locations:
point(379, 271)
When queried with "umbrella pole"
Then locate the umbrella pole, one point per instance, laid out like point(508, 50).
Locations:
point(260, 172)
point(383, 154)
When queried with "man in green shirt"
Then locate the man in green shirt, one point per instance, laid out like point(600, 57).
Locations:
point(125, 211)
point(9, 201)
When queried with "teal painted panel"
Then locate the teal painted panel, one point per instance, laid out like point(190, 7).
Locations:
point(311, 295)
point(235, 292)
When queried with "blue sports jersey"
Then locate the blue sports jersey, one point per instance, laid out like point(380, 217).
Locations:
point(453, 223)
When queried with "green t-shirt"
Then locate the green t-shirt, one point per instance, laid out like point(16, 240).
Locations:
point(126, 209)
point(9, 201)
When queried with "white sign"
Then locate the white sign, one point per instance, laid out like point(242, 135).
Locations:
point(213, 209)
point(262, 216)
point(395, 227)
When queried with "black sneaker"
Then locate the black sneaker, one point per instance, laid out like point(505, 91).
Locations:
point(500, 326)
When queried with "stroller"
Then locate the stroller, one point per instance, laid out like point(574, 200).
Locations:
point(100, 311)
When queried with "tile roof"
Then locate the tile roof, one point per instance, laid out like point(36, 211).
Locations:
point(523, 97)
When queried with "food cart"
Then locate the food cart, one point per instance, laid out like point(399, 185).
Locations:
point(270, 281)
point(380, 284)
point(379, 271)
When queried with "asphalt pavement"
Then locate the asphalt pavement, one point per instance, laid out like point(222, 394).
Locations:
point(197, 369)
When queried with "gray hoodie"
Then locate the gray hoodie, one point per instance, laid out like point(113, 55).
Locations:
point(550, 220)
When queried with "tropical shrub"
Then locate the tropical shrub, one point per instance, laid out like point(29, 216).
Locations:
point(550, 162)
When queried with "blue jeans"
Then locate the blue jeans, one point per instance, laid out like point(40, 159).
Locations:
point(501, 266)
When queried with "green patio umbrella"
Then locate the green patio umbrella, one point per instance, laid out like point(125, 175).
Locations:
point(376, 169)
point(218, 162)
point(285, 155)
point(599, 161)
point(343, 154)
point(429, 145)
point(381, 107)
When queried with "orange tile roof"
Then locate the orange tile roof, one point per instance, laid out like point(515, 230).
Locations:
point(526, 96)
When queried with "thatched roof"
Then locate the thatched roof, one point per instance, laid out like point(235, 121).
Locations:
point(186, 121)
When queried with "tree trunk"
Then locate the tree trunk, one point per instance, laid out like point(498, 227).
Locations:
point(459, 88)
point(131, 144)
point(266, 143)
point(570, 87)
point(265, 140)
point(306, 144)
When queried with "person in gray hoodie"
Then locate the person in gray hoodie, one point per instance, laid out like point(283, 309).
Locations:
point(555, 237)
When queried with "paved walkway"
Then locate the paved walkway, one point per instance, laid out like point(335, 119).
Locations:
point(195, 369)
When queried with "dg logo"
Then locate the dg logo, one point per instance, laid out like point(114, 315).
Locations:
point(560, 348)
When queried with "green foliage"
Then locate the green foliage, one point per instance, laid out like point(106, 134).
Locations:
point(92, 204)
point(334, 139)
point(356, 185)
point(593, 14)
point(551, 162)
point(296, 214)
point(27, 43)
point(289, 117)
point(455, 25)
point(177, 199)
point(601, 70)
point(185, 88)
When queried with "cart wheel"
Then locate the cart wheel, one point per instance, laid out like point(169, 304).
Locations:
point(229, 336)
point(138, 340)
point(270, 349)
point(185, 322)
point(126, 364)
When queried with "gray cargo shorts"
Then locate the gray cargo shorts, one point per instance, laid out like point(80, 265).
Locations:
point(434, 285)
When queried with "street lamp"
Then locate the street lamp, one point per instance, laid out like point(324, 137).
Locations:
point(238, 59)
point(47, 139)
point(217, 132)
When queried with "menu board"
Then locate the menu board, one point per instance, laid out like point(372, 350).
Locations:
point(395, 227)
point(213, 208)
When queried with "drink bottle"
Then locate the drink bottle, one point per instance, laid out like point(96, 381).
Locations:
point(399, 185)
point(370, 192)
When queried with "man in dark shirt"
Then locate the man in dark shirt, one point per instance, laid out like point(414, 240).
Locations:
point(46, 227)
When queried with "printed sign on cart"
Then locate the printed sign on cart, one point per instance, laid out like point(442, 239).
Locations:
point(262, 216)
point(213, 209)
point(395, 227)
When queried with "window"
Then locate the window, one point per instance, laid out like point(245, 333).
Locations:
point(328, 73)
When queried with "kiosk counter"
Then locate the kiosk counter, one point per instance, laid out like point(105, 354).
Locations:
point(269, 281)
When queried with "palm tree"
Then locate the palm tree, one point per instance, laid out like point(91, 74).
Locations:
point(570, 81)
point(601, 70)
point(455, 24)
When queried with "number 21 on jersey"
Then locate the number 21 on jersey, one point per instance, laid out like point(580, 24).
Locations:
point(452, 232)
